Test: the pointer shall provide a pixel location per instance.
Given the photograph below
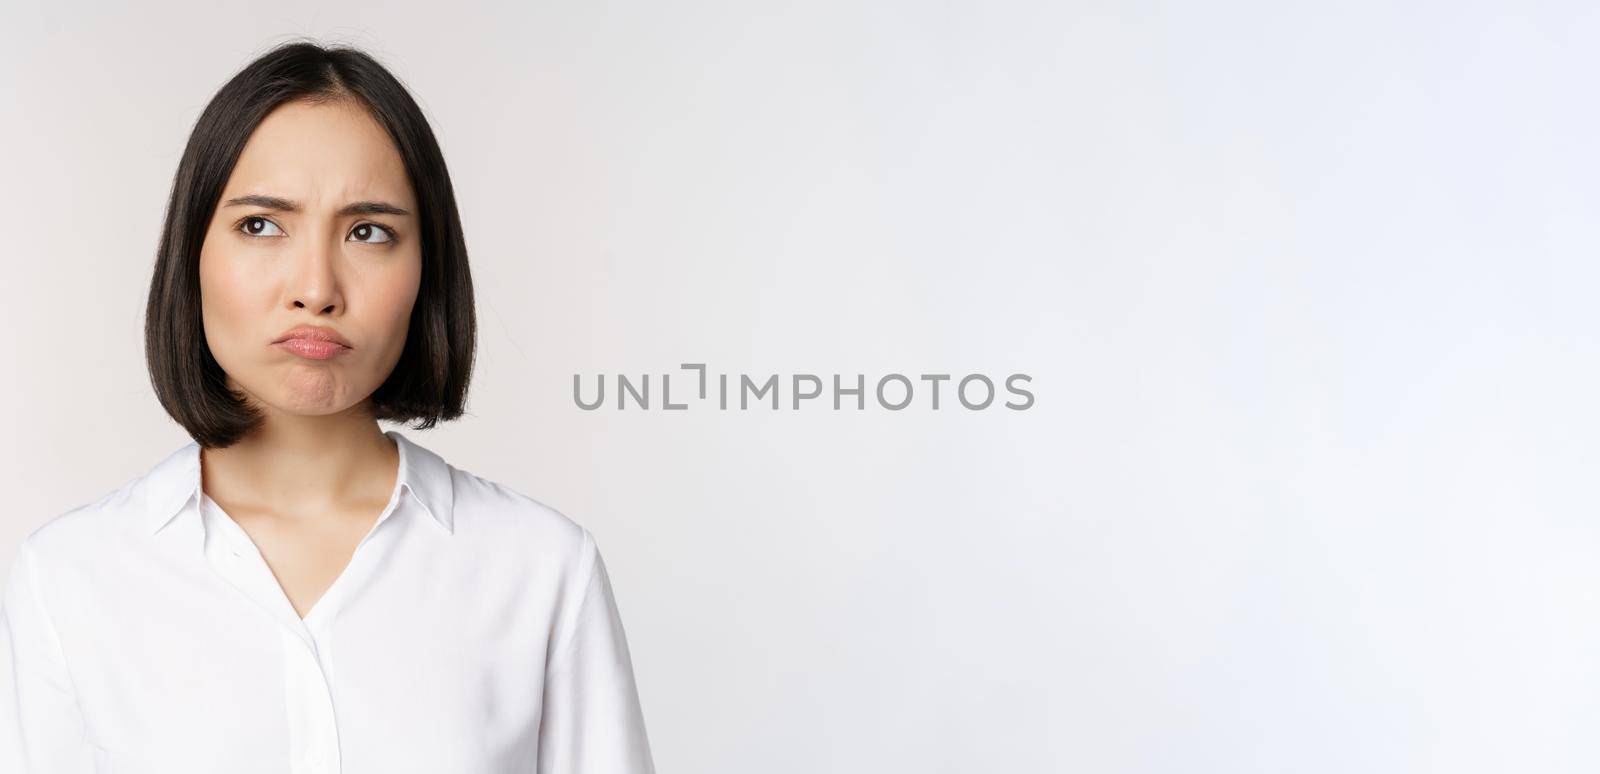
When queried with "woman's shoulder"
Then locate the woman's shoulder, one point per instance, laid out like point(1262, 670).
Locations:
point(508, 533)
point(489, 510)
point(469, 503)
point(89, 529)
point(138, 505)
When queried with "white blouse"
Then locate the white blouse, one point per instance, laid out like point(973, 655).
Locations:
point(474, 631)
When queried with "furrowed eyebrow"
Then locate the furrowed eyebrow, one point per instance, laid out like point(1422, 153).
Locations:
point(372, 208)
point(285, 205)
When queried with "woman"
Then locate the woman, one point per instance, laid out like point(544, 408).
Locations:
point(297, 590)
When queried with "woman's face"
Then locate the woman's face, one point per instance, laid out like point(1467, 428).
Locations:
point(317, 226)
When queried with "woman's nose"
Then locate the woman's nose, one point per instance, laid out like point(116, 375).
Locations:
point(316, 281)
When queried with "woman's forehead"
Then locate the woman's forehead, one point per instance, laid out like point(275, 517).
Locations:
point(321, 154)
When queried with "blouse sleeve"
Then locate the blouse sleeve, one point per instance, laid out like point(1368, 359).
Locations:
point(41, 726)
point(591, 721)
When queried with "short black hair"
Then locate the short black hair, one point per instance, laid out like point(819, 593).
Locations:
point(429, 383)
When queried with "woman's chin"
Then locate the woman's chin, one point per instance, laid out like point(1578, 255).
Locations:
point(311, 391)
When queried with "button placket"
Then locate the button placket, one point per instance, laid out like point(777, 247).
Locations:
point(313, 728)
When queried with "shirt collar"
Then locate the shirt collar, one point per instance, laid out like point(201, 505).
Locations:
point(175, 481)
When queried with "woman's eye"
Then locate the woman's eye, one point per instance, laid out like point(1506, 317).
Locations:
point(367, 231)
point(257, 226)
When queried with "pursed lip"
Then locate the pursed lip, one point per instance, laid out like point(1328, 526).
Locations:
point(314, 333)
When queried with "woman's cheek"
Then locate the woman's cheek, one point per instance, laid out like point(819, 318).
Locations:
point(398, 296)
point(225, 307)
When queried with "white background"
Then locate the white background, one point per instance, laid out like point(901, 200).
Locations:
point(1307, 293)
